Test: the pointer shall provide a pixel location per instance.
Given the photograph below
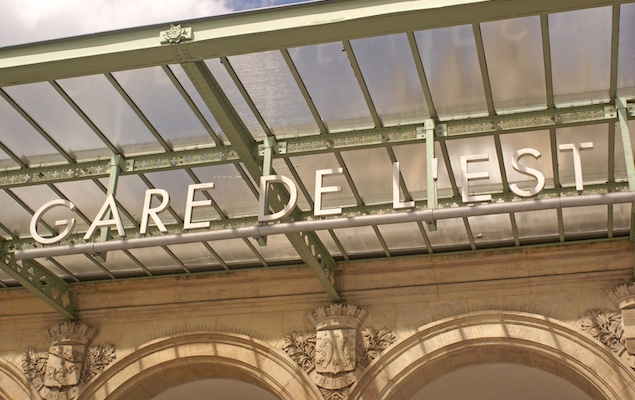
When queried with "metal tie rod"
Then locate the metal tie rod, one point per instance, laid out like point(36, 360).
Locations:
point(335, 223)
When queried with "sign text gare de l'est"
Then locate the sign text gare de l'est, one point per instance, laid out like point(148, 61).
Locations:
point(108, 215)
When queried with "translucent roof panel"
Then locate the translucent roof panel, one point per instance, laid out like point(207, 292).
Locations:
point(413, 168)
point(306, 166)
point(621, 216)
point(578, 220)
point(533, 224)
point(513, 50)
point(176, 182)
point(230, 192)
point(131, 194)
point(593, 160)
point(23, 140)
point(58, 120)
point(282, 168)
point(153, 92)
point(391, 77)
point(188, 86)
point(99, 100)
point(537, 140)
point(7, 162)
point(36, 196)
point(235, 97)
point(14, 217)
point(476, 146)
point(88, 198)
point(157, 260)
point(119, 264)
point(362, 240)
point(403, 237)
point(580, 55)
point(329, 243)
point(81, 266)
point(196, 256)
point(489, 229)
point(329, 79)
point(626, 57)
point(450, 234)
point(235, 253)
point(450, 61)
point(273, 90)
point(371, 171)
point(278, 250)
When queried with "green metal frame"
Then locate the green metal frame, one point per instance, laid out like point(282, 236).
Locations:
point(324, 143)
point(307, 244)
point(41, 282)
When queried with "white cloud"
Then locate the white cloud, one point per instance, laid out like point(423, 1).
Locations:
point(25, 21)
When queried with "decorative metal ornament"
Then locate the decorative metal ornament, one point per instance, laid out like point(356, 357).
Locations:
point(337, 352)
point(62, 372)
point(175, 34)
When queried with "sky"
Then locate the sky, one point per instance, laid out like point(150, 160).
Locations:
point(26, 21)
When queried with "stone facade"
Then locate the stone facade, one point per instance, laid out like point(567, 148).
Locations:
point(443, 312)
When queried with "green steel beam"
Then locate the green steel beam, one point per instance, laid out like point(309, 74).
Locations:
point(350, 140)
point(622, 112)
point(115, 167)
point(41, 282)
point(261, 30)
point(546, 57)
point(307, 244)
point(480, 51)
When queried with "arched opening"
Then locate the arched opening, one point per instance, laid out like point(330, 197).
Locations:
point(495, 337)
point(500, 382)
point(13, 383)
point(181, 359)
point(226, 389)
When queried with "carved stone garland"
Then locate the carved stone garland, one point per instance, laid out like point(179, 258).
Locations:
point(61, 372)
point(337, 352)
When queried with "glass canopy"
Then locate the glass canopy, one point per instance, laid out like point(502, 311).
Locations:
point(80, 122)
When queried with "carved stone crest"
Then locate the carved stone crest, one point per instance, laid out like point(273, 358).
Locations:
point(615, 329)
point(69, 364)
point(337, 352)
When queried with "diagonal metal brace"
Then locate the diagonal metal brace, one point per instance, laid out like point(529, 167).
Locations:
point(41, 282)
point(308, 244)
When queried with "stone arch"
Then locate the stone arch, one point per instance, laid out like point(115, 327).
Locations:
point(489, 337)
point(174, 360)
point(13, 383)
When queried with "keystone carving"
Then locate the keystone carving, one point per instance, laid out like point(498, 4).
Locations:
point(61, 372)
point(337, 352)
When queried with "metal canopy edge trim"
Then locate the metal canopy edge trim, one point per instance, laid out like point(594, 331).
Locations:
point(257, 31)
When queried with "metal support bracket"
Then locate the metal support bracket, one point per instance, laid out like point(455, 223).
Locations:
point(428, 133)
point(622, 117)
point(41, 282)
point(117, 164)
point(267, 152)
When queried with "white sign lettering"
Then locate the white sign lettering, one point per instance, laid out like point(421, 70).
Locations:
point(108, 215)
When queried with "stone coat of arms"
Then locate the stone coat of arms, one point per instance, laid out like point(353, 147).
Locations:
point(70, 362)
point(337, 352)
